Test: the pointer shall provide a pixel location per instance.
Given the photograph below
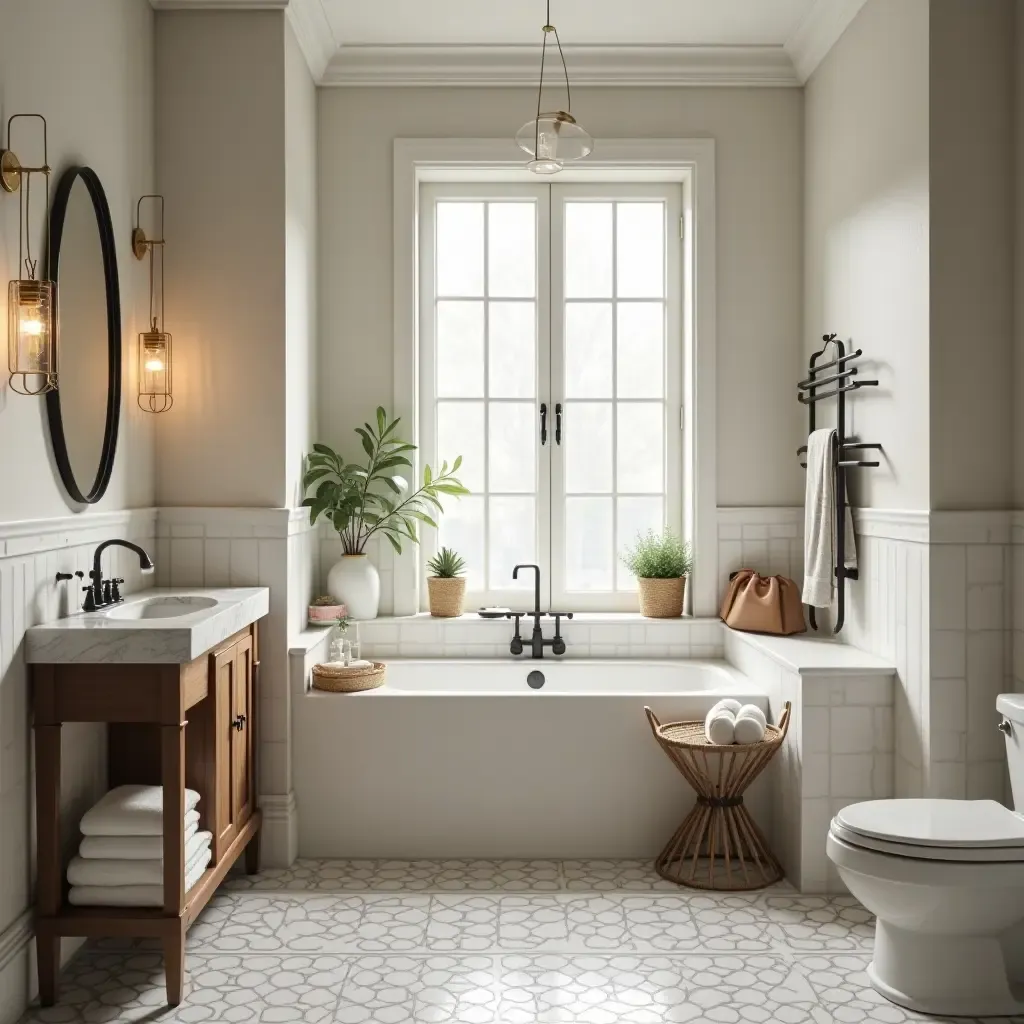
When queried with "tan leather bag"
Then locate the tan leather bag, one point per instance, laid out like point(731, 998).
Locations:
point(763, 604)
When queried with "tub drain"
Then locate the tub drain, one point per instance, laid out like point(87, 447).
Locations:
point(535, 680)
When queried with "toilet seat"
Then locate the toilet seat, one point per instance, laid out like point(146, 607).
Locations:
point(963, 831)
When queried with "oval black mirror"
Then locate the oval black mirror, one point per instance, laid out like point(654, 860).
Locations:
point(84, 411)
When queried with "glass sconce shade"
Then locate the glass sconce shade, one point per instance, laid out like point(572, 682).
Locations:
point(31, 337)
point(155, 393)
point(553, 139)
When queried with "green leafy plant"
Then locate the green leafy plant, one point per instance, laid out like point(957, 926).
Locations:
point(446, 564)
point(360, 501)
point(658, 556)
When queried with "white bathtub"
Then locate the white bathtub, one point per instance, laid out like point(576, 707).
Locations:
point(463, 758)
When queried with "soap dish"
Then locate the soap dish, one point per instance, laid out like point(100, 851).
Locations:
point(494, 613)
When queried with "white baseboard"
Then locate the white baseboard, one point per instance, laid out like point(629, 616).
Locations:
point(279, 845)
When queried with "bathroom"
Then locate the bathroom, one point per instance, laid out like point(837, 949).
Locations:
point(459, 844)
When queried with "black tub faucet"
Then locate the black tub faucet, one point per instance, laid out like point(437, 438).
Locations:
point(537, 641)
point(103, 592)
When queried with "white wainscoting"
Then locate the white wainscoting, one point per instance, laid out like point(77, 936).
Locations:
point(31, 554)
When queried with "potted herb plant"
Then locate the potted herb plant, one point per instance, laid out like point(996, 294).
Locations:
point(661, 563)
point(446, 586)
point(363, 500)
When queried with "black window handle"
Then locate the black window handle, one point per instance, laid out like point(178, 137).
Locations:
point(558, 423)
point(543, 424)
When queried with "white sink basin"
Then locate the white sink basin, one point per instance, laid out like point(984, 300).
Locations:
point(163, 607)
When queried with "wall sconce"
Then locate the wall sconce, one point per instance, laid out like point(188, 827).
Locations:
point(31, 320)
point(155, 393)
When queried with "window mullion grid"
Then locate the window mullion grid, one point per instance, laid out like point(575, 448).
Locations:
point(615, 391)
point(488, 582)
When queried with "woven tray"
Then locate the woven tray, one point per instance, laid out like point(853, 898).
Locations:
point(348, 680)
point(690, 735)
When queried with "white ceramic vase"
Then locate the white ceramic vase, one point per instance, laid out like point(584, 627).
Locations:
point(354, 581)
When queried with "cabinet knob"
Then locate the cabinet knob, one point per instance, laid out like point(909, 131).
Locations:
point(239, 723)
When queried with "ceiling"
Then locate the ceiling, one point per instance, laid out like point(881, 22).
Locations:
point(580, 22)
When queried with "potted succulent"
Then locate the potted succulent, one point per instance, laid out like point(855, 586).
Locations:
point(363, 500)
point(661, 563)
point(446, 586)
point(326, 611)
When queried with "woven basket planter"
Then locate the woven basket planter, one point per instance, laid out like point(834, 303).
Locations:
point(342, 679)
point(446, 596)
point(662, 599)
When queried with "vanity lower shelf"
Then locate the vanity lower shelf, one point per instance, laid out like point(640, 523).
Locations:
point(189, 725)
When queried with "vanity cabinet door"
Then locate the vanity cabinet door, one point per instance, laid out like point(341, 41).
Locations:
point(242, 734)
point(224, 668)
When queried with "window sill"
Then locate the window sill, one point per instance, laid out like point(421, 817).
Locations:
point(587, 634)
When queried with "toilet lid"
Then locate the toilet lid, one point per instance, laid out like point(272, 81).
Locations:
point(947, 824)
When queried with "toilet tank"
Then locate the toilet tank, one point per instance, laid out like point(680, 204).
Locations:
point(1011, 707)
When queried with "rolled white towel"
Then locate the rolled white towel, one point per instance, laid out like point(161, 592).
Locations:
point(719, 727)
point(728, 704)
point(750, 724)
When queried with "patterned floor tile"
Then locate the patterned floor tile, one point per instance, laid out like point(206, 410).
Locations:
point(463, 923)
point(127, 987)
point(404, 990)
point(552, 989)
point(307, 874)
point(659, 924)
point(614, 875)
point(820, 922)
point(323, 924)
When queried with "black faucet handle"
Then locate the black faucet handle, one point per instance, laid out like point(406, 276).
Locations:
point(107, 598)
point(115, 590)
point(89, 605)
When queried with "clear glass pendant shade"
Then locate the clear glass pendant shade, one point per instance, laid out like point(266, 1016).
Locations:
point(31, 339)
point(553, 140)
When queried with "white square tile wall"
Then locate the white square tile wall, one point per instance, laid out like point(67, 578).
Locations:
point(769, 540)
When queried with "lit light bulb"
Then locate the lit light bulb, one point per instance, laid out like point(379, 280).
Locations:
point(31, 324)
point(154, 364)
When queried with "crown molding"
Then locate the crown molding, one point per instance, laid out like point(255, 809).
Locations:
point(219, 5)
point(314, 34)
point(483, 66)
point(819, 31)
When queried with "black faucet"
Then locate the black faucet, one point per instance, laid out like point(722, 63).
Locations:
point(537, 641)
point(103, 592)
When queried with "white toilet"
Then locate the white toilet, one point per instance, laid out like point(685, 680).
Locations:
point(945, 880)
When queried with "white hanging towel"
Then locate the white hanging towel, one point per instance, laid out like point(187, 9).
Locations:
point(131, 811)
point(819, 522)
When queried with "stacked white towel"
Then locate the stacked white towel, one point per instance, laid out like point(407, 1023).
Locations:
point(120, 860)
point(731, 722)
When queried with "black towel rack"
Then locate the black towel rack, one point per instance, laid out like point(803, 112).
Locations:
point(845, 380)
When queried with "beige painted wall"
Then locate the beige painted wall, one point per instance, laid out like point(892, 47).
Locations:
point(867, 233)
point(972, 181)
point(1018, 174)
point(221, 159)
point(300, 261)
point(759, 143)
point(88, 69)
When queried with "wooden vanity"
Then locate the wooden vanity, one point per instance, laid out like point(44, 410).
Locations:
point(178, 725)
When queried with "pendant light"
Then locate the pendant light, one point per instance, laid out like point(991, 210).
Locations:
point(553, 138)
point(155, 391)
point(31, 320)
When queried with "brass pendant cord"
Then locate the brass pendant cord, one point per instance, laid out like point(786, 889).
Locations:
point(548, 27)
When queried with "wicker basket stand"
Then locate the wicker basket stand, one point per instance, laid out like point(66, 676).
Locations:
point(347, 679)
point(719, 845)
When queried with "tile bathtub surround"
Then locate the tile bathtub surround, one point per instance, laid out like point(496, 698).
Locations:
point(31, 554)
point(587, 635)
point(841, 743)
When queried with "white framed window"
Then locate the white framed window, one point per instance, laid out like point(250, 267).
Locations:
point(551, 359)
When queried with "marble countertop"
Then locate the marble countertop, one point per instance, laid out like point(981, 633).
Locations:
point(98, 638)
